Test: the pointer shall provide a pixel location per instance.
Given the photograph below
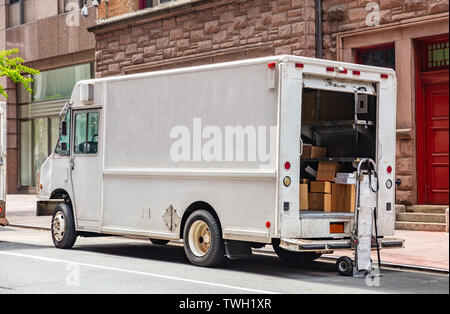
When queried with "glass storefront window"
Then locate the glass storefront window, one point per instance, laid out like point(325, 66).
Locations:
point(40, 144)
point(54, 132)
point(58, 83)
point(25, 154)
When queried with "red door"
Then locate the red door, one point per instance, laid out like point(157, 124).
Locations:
point(432, 103)
point(437, 138)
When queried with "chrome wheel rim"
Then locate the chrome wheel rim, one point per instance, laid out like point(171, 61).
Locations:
point(199, 238)
point(59, 225)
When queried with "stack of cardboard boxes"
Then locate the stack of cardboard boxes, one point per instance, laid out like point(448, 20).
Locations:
point(331, 191)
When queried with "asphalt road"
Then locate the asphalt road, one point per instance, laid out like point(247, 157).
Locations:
point(30, 264)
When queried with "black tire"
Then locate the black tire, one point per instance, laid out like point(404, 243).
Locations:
point(159, 242)
point(215, 255)
point(344, 266)
point(294, 258)
point(69, 235)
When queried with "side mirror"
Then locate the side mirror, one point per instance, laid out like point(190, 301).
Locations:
point(64, 128)
point(63, 146)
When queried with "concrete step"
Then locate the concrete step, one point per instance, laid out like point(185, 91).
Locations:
point(421, 217)
point(420, 226)
point(435, 209)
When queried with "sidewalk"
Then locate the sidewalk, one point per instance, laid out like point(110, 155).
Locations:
point(21, 212)
point(422, 248)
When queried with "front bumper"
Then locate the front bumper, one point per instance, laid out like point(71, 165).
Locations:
point(328, 246)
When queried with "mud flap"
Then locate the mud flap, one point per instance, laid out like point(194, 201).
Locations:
point(237, 249)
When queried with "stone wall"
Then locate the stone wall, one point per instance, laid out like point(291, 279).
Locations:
point(213, 30)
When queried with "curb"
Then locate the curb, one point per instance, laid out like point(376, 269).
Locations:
point(400, 266)
point(383, 264)
point(29, 227)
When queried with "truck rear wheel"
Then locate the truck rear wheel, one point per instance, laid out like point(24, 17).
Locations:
point(63, 227)
point(203, 243)
point(294, 258)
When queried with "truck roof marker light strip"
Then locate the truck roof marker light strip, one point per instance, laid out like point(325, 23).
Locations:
point(355, 72)
point(384, 76)
point(271, 65)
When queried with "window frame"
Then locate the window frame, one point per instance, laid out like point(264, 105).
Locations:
point(72, 137)
point(68, 114)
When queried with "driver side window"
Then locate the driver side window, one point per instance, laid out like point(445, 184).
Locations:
point(86, 133)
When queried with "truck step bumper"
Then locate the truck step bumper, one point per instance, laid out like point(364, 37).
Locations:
point(328, 246)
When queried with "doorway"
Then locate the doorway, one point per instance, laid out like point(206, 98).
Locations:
point(432, 105)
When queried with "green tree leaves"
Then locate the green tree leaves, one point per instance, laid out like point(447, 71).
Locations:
point(13, 68)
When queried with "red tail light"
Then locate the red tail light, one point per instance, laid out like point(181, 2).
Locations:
point(299, 65)
point(271, 65)
point(287, 165)
point(356, 72)
point(330, 69)
point(389, 169)
point(384, 76)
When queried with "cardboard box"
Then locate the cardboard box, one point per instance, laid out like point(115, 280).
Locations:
point(304, 181)
point(319, 201)
point(304, 196)
point(327, 171)
point(320, 187)
point(310, 151)
point(343, 198)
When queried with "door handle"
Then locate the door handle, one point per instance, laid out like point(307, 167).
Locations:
point(72, 163)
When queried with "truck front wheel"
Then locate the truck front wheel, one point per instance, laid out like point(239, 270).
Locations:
point(63, 227)
point(203, 243)
point(294, 258)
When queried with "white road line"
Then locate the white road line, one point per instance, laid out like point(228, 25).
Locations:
point(54, 260)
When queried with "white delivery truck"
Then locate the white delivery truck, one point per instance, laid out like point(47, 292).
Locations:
point(212, 155)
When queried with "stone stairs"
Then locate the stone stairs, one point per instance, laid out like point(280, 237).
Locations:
point(421, 218)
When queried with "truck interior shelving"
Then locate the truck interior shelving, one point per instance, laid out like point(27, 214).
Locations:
point(344, 123)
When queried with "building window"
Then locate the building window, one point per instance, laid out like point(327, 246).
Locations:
point(58, 84)
point(436, 54)
point(380, 56)
point(151, 3)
